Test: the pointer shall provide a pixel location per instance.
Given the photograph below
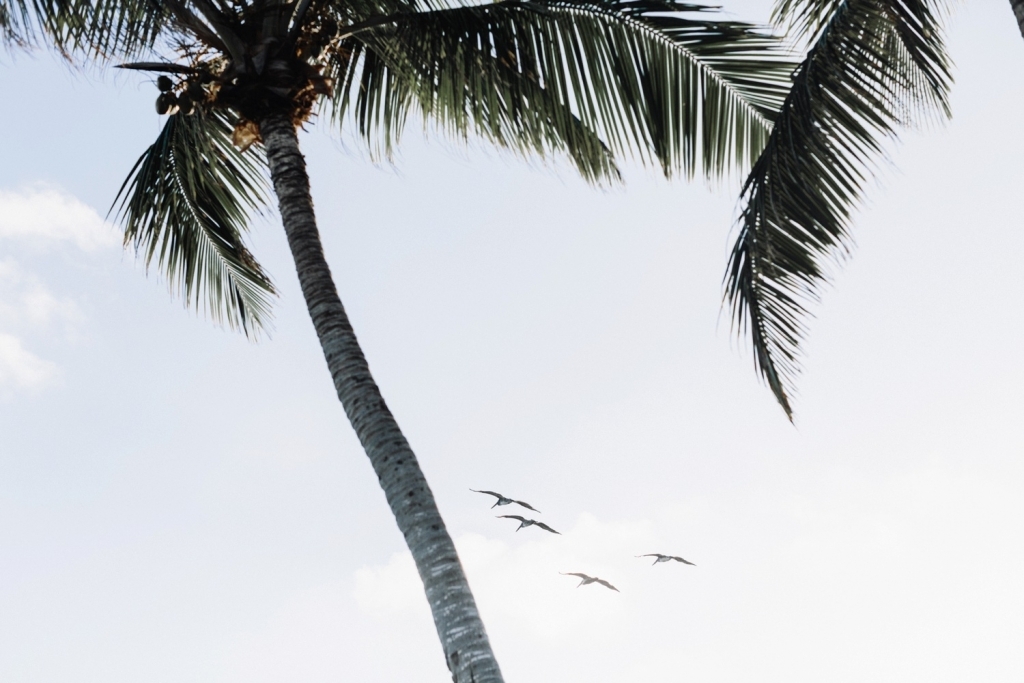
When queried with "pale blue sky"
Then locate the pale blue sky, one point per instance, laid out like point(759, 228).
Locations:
point(179, 504)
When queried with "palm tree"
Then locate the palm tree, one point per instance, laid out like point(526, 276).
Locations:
point(872, 67)
point(591, 80)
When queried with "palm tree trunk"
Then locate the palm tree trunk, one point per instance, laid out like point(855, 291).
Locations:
point(1018, 11)
point(466, 647)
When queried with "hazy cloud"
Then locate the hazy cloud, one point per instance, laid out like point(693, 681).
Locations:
point(25, 301)
point(21, 368)
point(27, 306)
point(44, 214)
point(519, 580)
point(39, 215)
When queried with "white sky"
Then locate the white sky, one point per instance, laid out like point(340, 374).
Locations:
point(177, 504)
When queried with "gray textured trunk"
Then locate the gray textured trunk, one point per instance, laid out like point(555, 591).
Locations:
point(466, 647)
point(1018, 12)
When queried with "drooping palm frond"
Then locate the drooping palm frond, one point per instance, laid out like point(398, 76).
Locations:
point(186, 205)
point(114, 29)
point(874, 66)
point(22, 21)
point(626, 77)
point(12, 20)
point(532, 122)
point(95, 27)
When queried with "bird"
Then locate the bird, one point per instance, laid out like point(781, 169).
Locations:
point(529, 522)
point(505, 500)
point(584, 580)
point(658, 557)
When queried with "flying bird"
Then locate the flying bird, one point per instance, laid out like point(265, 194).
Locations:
point(505, 500)
point(529, 522)
point(658, 557)
point(584, 580)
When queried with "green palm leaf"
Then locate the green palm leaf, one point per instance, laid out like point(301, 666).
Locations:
point(23, 21)
point(95, 27)
point(186, 204)
point(874, 65)
point(119, 29)
point(689, 94)
point(13, 18)
point(530, 122)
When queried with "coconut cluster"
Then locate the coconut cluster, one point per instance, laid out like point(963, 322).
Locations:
point(180, 98)
point(275, 74)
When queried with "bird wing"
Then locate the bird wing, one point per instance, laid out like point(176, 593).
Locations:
point(650, 555)
point(526, 505)
point(489, 493)
point(521, 519)
point(545, 527)
point(577, 574)
point(679, 559)
point(608, 585)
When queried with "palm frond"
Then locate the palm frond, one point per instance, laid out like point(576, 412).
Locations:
point(619, 77)
point(186, 205)
point(382, 98)
point(873, 67)
point(12, 23)
point(114, 29)
point(92, 27)
point(803, 19)
point(23, 22)
point(359, 12)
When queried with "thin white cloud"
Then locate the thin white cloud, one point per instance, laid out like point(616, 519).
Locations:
point(389, 589)
point(24, 301)
point(20, 368)
point(518, 581)
point(44, 214)
point(787, 580)
point(39, 215)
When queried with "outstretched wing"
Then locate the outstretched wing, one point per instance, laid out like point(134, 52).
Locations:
point(608, 585)
point(679, 559)
point(521, 519)
point(525, 505)
point(650, 555)
point(490, 493)
point(576, 574)
point(545, 527)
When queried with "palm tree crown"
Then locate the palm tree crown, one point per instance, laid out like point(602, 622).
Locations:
point(592, 80)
